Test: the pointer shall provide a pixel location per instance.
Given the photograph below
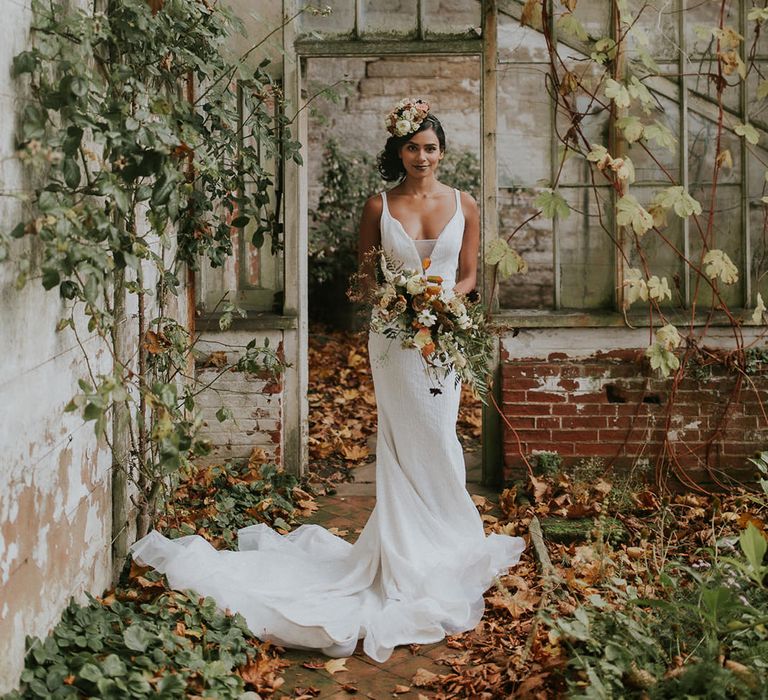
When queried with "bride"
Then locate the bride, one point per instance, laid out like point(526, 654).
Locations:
point(422, 562)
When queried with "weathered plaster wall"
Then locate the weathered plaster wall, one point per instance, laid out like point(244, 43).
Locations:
point(55, 507)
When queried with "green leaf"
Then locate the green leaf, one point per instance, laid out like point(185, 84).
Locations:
point(568, 23)
point(660, 135)
point(753, 545)
point(71, 171)
point(50, 277)
point(629, 212)
point(718, 264)
point(223, 414)
point(509, 261)
point(137, 638)
point(90, 672)
point(25, 62)
point(678, 199)
point(748, 132)
point(552, 204)
point(240, 221)
point(617, 92)
point(662, 359)
point(632, 128)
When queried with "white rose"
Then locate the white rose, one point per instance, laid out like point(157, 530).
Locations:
point(415, 285)
point(402, 127)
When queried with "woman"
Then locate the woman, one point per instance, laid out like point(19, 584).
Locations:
point(422, 562)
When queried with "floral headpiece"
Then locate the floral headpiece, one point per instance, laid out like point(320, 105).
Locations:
point(406, 117)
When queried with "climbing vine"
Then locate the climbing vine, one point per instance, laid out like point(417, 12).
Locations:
point(146, 145)
point(612, 84)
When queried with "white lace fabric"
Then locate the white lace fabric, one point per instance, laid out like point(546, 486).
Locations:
point(422, 562)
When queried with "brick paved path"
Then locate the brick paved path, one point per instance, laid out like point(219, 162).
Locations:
point(349, 510)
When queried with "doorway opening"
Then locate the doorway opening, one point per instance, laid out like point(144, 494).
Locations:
point(349, 97)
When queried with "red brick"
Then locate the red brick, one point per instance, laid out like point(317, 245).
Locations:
point(544, 397)
point(519, 383)
point(576, 435)
point(522, 422)
point(548, 422)
point(513, 396)
point(587, 421)
point(527, 409)
point(597, 397)
point(599, 449)
point(565, 409)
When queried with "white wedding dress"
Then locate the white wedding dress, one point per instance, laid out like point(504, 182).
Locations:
point(422, 562)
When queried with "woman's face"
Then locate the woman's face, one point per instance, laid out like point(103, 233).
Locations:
point(421, 154)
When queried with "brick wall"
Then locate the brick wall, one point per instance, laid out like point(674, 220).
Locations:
point(613, 406)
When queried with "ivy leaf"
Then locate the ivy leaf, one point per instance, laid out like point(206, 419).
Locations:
point(632, 128)
point(660, 135)
point(629, 212)
point(658, 288)
point(748, 132)
point(509, 261)
point(137, 638)
point(71, 171)
point(662, 359)
point(637, 90)
point(552, 204)
point(757, 315)
point(677, 198)
point(660, 352)
point(636, 287)
point(223, 414)
point(568, 23)
point(718, 264)
point(617, 92)
point(25, 62)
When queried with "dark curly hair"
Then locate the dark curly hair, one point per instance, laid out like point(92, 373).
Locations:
point(389, 163)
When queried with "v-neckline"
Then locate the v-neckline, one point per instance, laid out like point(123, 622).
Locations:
point(413, 240)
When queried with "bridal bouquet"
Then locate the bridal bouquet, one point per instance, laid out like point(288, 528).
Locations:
point(448, 329)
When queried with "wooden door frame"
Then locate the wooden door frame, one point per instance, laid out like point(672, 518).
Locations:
point(296, 410)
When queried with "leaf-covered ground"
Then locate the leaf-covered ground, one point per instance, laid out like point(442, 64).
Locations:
point(342, 404)
point(641, 595)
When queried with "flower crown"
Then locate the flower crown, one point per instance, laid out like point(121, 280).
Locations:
point(406, 117)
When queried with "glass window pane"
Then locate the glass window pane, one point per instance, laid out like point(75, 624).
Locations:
point(702, 146)
point(727, 235)
point(667, 114)
point(519, 43)
point(701, 16)
point(587, 272)
point(654, 29)
point(594, 15)
point(341, 20)
point(654, 253)
point(524, 137)
point(758, 221)
point(396, 18)
point(461, 17)
point(535, 288)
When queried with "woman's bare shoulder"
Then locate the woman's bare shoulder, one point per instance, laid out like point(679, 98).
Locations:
point(373, 205)
point(468, 203)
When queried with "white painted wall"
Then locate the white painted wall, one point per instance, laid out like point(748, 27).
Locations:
point(55, 512)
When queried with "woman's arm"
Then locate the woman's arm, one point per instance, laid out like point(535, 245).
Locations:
point(467, 278)
point(369, 238)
